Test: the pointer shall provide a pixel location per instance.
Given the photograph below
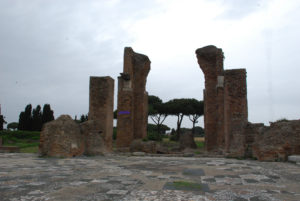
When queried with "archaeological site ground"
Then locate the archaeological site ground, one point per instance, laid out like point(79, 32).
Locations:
point(241, 161)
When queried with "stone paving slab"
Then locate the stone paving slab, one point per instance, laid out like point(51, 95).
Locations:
point(294, 158)
point(27, 177)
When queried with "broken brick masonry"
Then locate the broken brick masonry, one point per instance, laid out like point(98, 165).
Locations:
point(226, 125)
point(227, 129)
point(132, 99)
point(64, 137)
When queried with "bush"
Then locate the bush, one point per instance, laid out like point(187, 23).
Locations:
point(114, 133)
point(153, 136)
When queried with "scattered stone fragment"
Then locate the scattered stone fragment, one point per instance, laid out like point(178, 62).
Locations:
point(117, 192)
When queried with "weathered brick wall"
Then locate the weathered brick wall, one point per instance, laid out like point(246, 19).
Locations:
point(94, 142)
point(225, 102)
point(277, 141)
point(125, 114)
point(236, 111)
point(101, 107)
point(220, 123)
point(61, 138)
point(210, 60)
point(132, 98)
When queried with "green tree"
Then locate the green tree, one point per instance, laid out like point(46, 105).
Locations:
point(12, 125)
point(48, 114)
point(83, 118)
point(115, 114)
point(2, 121)
point(37, 122)
point(158, 112)
point(25, 119)
point(195, 110)
point(178, 108)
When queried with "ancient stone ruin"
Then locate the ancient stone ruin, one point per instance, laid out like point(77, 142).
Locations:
point(101, 109)
point(275, 142)
point(61, 138)
point(227, 129)
point(225, 101)
point(132, 98)
point(64, 137)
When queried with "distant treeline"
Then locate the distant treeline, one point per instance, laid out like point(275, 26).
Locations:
point(34, 119)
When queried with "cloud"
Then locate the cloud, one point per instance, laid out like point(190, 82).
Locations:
point(50, 48)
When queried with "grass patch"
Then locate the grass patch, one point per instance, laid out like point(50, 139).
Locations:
point(186, 184)
point(27, 141)
point(34, 149)
point(199, 144)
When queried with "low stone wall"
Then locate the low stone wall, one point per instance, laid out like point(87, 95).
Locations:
point(64, 137)
point(277, 141)
point(9, 149)
point(61, 138)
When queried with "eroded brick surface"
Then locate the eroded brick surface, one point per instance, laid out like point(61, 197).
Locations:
point(227, 129)
point(101, 109)
point(277, 141)
point(132, 98)
point(61, 138)
point(225, 102)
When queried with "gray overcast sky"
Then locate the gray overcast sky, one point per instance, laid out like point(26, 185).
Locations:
point(49, 48)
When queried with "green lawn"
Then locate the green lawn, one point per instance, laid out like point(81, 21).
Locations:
point(27, 141)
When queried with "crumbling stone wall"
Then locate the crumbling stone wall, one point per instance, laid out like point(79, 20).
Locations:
point(132, 98)
point(64, 137)
point(225, 102)
point(61, 138)
point(277, 141)
point(101, 106)
point(226, 115)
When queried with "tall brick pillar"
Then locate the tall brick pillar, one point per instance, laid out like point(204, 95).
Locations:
point(101, 107)
point(210, 59)
point(236, 111)
point(132, 98)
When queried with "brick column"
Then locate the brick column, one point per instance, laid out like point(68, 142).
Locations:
point(236, 111)
point(132, 98)
point(210, 59)
point(101, 107)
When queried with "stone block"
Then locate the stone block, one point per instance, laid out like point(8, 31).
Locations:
point(94, 142)
point(186, 140)
point(61, 138)
point(294, 158)
point(143, 146)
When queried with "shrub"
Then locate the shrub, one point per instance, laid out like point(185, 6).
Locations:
point(114, 133)
point(153, 136)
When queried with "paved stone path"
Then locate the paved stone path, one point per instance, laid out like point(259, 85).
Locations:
point(27, 177)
